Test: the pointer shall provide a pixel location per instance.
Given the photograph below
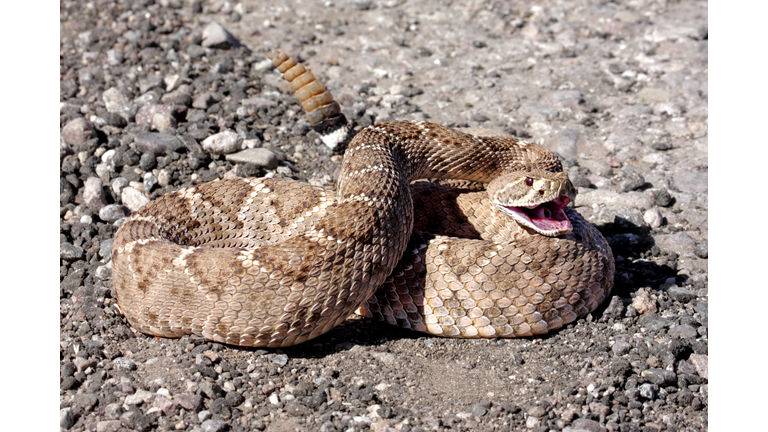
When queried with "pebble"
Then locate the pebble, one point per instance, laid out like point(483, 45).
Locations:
point(116, 102)
point(682, 295)
point(647, 391)
point(701, 363)
point(702, 249)
point(133, 198)
point(156, 143)
point(660, 377)
point(584, 425)
point(680, 242)
point(78, 131)
point(631, 182)
point(157, 116)
point(621, 347)
point(652, 323)
point(223, 143)
point(261, 157)
point(118, 184)
point(214, 425)
point(203, 101)
point(653, 218)
point(203, 415)
point(113, 212)
point(93, 194)
point(108, 426)
point(360, 4)
point(189, 402)
point(66, 419)
point(123, 364)
point(683, 331)
point(150, 181)
point(280, 359)
point(70, 252)
point(621, 215)
point(216, 36)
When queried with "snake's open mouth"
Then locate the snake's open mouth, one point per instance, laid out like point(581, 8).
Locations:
point(546, 218)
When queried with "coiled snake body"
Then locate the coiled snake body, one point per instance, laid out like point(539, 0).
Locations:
point(275, 262)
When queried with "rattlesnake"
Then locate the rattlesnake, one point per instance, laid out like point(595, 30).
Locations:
point(276, 262)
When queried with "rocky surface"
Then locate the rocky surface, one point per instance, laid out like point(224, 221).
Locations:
point(156, 95)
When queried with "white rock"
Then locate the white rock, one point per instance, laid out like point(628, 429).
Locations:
point(223, 143)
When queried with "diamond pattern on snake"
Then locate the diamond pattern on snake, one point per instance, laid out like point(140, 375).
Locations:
point(429, 228)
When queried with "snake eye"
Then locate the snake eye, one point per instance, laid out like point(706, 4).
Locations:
point(528, 181)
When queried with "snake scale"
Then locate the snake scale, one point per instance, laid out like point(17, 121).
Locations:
point(486, 248)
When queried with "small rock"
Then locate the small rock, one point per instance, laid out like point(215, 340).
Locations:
point(133, 198)
point(653, 218)
point(156, 143)
point(479, 410)
point(567, 142)
point(621, 215)
point(150, 181)
point(108, 426)
point(167, 406)
point(701, 363)
point(647, 391)
point(93, 194)
point(66, 419)
point(203, 415)
point(680, 294)
point(683, 331)
point(168, 115)
point(702, 249)
point(223, 143)
point(653, 322)
point(78, 131)
point(70, 252)
point(113, 212)
point(584, 425)
point(257, 156)
point(216, 36)
point(189, 402)
point(214, 425)
point(116, 102)
point(360, 4)
point(123, 364)
point(280, 359)
point(203, 101)
point(631, 182)
point(660, 377)
point(136, 420)
point(621, 347)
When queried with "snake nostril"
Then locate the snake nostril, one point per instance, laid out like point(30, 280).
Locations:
point(541, 191)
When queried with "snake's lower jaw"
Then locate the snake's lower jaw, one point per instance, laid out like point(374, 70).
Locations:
point(547, 218)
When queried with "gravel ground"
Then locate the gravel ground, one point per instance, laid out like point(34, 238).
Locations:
point(159, 95)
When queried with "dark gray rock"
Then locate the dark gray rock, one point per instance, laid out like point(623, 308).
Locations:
point(680, 294)
point(66, 418)
point(686, 331)
point(70, 252)
point(156, 143)
point(660, 377)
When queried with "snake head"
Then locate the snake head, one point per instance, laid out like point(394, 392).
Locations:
point(535, 199)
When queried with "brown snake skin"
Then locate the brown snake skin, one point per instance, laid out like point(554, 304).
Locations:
point(275, 262)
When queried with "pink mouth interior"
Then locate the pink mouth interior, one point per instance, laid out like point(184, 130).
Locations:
point(548, 216)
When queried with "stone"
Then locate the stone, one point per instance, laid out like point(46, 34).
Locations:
point(113, 212)
point(643, 303)
point(261, 157)
point(604, 197)
point(584, 425)
point(93, 194)
point(700, 362)
point(621, 347)
point(116, 102)
point(653, 218)
point(214, 425)
point(680, 294)
point(684, 331)
point(216, 36)
point(191, 403)
point(78, 131)
point(70, 252)
point(203, 101)
point(133, 198)
point(156, 143)
point(660, 377)
point(223, 143)
point(66, 418)
point(158, 116)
